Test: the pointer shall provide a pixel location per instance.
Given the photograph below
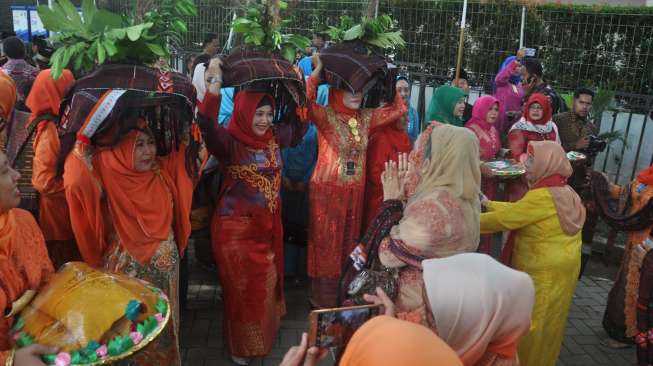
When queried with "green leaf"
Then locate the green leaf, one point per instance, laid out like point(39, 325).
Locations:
point(189, 7)
point(253, 13)
point(101, 52)
point(179, 26)
point(68, 53)
point(79, 58)
point(104, 20)
point(297, 40)
point(88, 11)
point(134, 32)
point(156, 49)
point(288, 53)
point(242, 25)
point(110, 47)
point(71, 12)
point(51, 21)
point(354, 32)
point(388, 40)
point(55, 61)
point(119, 33)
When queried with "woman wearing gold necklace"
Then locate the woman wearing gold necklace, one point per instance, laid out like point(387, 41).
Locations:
point(338, 183)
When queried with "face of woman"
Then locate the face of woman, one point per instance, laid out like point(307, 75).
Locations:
point(262, 120)
point(459, 109)
point(492, 114)
point(403, 89)
point(144, 152)
point(528, 164)
point(352, 101)
point(9, 193)
point(536, 112)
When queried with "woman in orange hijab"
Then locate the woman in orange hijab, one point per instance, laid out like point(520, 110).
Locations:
point(7, 101)
point(130, 212)
point(24, 264)
point(44, 100)
point(382, 341)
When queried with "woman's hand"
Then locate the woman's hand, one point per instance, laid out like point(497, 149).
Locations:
point(317, 66)
point(403, 167)
point(393, 188)
point(484, 200)
point(486, 171)
point(301, 356)
point(213, 76)
point(381, 298)
point(521, 54)
point(31, 355)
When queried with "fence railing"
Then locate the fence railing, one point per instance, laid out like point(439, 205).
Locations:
point(606, 47)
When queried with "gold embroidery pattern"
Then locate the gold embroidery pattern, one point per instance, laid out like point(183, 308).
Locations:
point(350, 149)
point(250, 174)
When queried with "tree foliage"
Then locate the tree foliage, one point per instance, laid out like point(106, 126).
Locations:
point(98, 35)
point(261, 28)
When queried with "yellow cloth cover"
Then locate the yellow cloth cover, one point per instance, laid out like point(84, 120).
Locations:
point(550, 257)
point(81, 304)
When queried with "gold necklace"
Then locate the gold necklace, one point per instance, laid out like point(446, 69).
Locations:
point(353, 127)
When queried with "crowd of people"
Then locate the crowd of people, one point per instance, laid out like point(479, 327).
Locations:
point(270, 199)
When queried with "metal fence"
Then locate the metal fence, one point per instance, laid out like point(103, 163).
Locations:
point(608, 47)
point(600, 47)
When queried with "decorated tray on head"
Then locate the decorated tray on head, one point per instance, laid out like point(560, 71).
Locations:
point(358, 62)
point(121, 79)
point(92, 317)
point(505, 168)
point(265, 58)
point(576, 156)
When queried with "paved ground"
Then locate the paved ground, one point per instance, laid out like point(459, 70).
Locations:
point(202, 325)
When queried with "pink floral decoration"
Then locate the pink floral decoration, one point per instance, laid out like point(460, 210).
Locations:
point(159, 317)
point(136, 337)
point(102, 351)
point(62, 359)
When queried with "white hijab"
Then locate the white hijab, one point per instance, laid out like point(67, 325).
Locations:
point(478, 304)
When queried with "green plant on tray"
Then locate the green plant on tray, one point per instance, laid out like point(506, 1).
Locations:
point(261, 28)
point(99, 35)
point(379, 32)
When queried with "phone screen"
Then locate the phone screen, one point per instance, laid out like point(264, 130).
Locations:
point(334, 328)
point(530, 52)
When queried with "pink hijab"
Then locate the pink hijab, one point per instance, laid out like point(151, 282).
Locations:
point(487, 133)
point(479, 305)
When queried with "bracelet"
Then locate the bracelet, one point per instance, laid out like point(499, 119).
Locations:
point(10, 357)
point(214, 80)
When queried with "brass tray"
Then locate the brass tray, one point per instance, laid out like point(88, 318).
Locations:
point(504, 168)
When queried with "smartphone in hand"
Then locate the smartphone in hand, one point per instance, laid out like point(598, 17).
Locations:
point(530, 52)
point(332, 328)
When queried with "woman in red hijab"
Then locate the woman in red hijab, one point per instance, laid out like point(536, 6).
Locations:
point(385, 144)
point(535, 125)
point(130, 213)
point(337, 187)
point(44, 101)
point(247, 216)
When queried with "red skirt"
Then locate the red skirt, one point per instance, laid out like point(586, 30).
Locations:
point(249, 257)
point(336, 214)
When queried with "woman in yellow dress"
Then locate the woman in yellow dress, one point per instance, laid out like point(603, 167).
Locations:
point(548, 222)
